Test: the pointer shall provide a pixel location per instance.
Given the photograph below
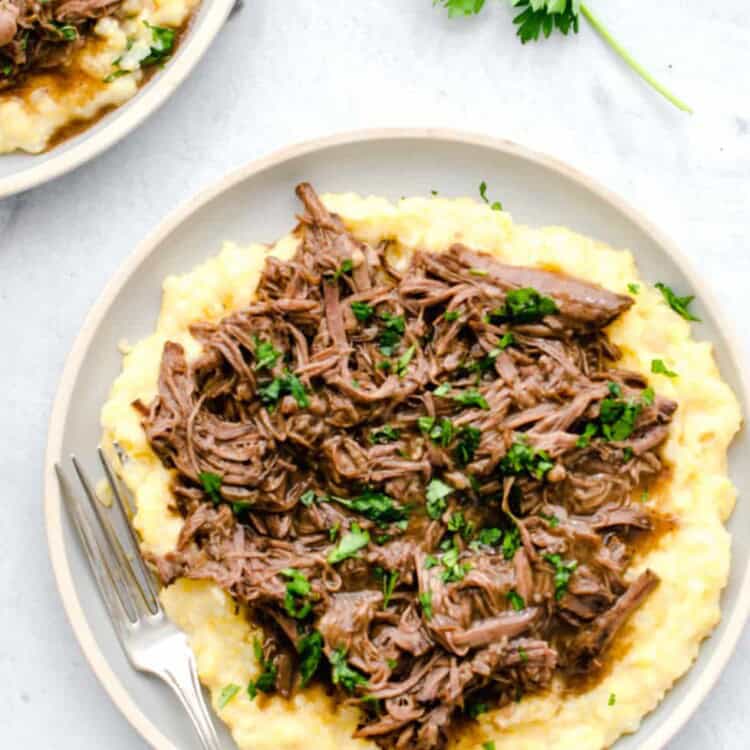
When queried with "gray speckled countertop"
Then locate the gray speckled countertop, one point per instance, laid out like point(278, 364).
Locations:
point(287, 71)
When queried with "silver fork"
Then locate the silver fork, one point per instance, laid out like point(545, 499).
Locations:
point(150, 641)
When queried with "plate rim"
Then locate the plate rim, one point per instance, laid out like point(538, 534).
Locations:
point(123, 121)
point(53, 501)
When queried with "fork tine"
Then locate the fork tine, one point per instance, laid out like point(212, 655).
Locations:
point(102, 573)
point(117, 560)
point(128, 504)
point(150, 596)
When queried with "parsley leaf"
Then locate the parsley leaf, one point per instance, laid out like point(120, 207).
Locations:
point(162, 44)
point(442, 390)
point(453, 570)
point(362, 311)
point(589, 432)
point(525, 305)
point(475, 708)
point(211, 485)
point(272, 392)
point(437, 491)
point(678, 304)
point(524, 458)
point(471, 397)
point(425, 599)
point(298, 590)
point(495, 205)
point(390, 336)
point(403, 361)
point(440, 433)
point(309, 498)
point(266, 355)
point(310, 650)
point(266, 681)
point(386, 434)
point(634, 288)
point(227, 694)
point(452, 315)
point(659, 368)
point(489, 745)
point(468, 442)
point(461, 7)
point(350, 544)
point(563, 571)
point(389, 586)
point(516, 600)
point(612, 699)
point(511, 542)
point(376, 506)
point(342, 674)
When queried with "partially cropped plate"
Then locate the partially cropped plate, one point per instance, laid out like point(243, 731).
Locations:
point(255, 204)
point(21, 171)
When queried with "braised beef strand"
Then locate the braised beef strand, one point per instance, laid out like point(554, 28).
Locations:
point(41, 34)
point(431, 475)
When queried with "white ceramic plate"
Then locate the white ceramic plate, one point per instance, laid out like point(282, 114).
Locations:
point(257, 203)
point(20, 171)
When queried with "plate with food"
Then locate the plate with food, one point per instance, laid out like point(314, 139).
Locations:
point(429, 449)
point(78, 75)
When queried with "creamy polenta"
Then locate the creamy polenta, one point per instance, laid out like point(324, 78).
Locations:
point(660, 641)
point(106, 72)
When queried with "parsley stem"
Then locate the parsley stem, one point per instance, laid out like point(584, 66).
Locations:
point(599, 27)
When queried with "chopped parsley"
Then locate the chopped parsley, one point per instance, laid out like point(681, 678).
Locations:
point(452, 315)
point(162, 44)
point(346, 267)
point(227, 694)
point(310, 650)
point(403, 361)
point(266, 355)
point(362, 311)
point(425, 600)
point(553, 521)
point(266, 681)
point(489, 745)
point(516, 600)
point(350, 544)
point(563, 571)
point(440, 433)
point(679, 304)
point(459, 525)
point(211, 485)
point(612, 699)
point(430, 562)
point(342, 674)
point(273, 391)
point(442, 390)
point(525, 305)
point(389, 586)
point(634, 288)
point(659, 368)
point(66, 31)
point(523, 655)
point(468, 442)
point(523, 458)
point(475, 709)
point(453, 570)
point(376, 506)
point(390, 337)
point(494, 205)
point(437, 491)
point(386, 434)
point(298, 589)
point(589, 432)
point(471, 397)
point(490, 536)
point(511, 542)
point(309, 498)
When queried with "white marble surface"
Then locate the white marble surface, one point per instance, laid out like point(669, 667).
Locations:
point(286, 71)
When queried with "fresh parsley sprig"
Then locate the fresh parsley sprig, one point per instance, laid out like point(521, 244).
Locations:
point(542, 17)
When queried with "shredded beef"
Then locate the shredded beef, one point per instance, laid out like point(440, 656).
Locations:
point(431, 472)
point(37, 35)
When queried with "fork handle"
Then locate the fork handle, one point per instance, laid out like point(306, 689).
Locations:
point(183, 679)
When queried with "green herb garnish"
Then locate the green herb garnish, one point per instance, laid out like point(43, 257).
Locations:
point(389, 586)
point(298, 589)
point(495, 205)
point(678, 304)
point(436, 493)
point(525, 305)
point(272, 392)
point(266, 682)
point(471, 397)
point(376, 506)
point(523, 458)
point(425, 600)
point(342, 674)
point(362, 311)
point(310, 650)
point(211, 485)
point(468, 442)
point(634, 288)
point(162, 44)
point(227, 694)
point(266, 355)
point(390, 337)
point(563, 571)
point(350, 544)
point(386, 434)
point(516, 600)
point(403, 361)
point(659, 368)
